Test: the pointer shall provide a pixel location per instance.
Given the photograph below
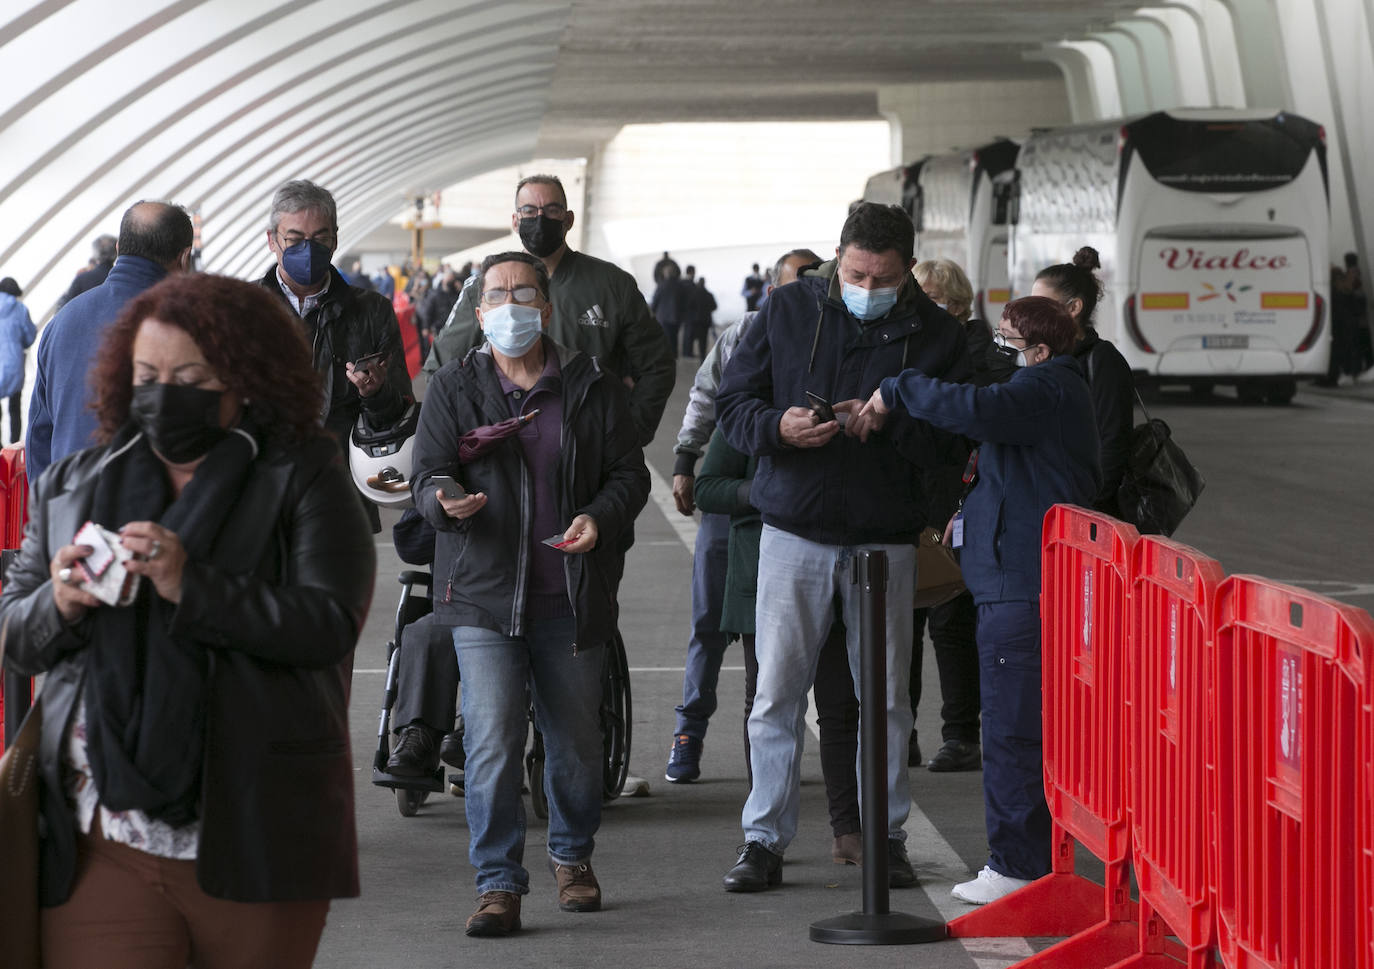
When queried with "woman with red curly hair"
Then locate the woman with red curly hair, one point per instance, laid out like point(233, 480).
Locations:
point(193, 588)
point(1039, 447)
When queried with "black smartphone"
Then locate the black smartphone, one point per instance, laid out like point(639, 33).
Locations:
point(365, 362)
point(820, 407)
point(449, 485)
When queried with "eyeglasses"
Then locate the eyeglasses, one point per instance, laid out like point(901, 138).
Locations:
point(1001, 339)
point(521, 294)
point(553, 210)
point(325, 237)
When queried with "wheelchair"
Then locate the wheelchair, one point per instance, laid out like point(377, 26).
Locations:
point(411, 792)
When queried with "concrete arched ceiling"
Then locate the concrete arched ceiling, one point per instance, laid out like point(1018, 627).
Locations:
point(213, 103)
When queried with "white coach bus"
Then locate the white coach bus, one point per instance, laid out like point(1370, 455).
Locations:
point(961, 214)
point(1212, 227)
point(959, 204)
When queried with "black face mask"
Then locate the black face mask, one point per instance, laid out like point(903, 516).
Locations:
point(541, 236)
point(181, 423)
point(1001, 358)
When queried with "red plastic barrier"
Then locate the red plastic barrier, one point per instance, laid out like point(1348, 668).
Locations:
point(1083, 612)
point(1290, 676)
point(1168, 677)
point(1365, 897)
point(14, 496)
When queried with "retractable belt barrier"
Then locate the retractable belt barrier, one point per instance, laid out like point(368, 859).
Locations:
point(1083, 611)
point(1290, 680)
point(1168, 678)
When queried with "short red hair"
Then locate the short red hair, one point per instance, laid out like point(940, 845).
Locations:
point(249, 338)
point(1040, 319)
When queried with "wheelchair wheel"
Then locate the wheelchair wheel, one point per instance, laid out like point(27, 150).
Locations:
point(408, 802)
point(616, 719)
point(534, 768)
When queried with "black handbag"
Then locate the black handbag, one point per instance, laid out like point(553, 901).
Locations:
point(1160, 485)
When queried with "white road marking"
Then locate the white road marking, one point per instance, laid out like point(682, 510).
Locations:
point(937, 863)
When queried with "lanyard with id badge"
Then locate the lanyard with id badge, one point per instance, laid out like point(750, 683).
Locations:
point(956, 524)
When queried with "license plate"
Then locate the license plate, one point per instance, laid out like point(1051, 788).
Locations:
point(1227, 342)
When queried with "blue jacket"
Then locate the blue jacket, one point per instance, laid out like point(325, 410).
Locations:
point(59, 419)
point(803, 339)
point(16, 335)
point(1039, 448)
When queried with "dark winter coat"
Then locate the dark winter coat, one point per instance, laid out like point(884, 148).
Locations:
point(278, 610)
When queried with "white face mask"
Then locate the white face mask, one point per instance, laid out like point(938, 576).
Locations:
point(1021, 360)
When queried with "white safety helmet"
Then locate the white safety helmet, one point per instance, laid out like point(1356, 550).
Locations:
point(380, 460)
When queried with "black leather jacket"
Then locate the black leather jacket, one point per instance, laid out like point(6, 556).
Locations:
point(278, 609)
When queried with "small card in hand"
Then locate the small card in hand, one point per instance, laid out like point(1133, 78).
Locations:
point(106, 577)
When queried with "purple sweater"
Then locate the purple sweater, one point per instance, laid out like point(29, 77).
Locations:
point(541, 442)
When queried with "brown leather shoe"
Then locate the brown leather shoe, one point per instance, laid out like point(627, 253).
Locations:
point(848, 849)
point(578, 890)
point(498, 913)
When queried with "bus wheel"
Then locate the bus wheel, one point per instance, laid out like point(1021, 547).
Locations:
point(1280, 392)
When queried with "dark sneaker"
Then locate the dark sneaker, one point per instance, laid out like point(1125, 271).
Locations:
point(913, 751)
point(416, 753)
point(578, 890)
point(757, 869)
point(956, 755)
point(684, 760)
point(899, 871)
point(498, 913)
point(451, 750)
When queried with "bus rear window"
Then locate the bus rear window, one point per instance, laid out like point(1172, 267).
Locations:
point(1225, 156)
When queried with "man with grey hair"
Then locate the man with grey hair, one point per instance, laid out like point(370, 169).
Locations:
point(597, 306)
point(357, 343)
point(103, 252)
point(154, 240)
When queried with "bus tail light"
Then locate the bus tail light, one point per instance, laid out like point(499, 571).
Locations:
point(1133, 325)
point(1318, 318)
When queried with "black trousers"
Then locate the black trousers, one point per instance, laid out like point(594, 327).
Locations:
point(952, 630)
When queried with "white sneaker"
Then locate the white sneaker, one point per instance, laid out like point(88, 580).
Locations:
point(989, 886)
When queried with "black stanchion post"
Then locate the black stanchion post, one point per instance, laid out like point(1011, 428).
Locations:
point(876, 924)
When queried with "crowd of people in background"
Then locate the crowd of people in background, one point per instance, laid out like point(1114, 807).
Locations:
point(195, 423)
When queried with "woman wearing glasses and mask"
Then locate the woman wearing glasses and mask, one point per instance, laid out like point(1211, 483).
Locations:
point(525, 571)
point(197, 783)
point(1039, 448)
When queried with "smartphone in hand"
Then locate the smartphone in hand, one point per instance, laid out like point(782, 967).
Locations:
point(820, 407)
point(365, 363)
point(449, 485)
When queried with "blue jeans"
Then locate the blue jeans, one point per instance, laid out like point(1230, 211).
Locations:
point(498, 675)
point(799, 583)
point(706, 649)
point(1018, 818)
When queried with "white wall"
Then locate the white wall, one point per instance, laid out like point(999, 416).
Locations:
point(938, 117)
point(726, 195)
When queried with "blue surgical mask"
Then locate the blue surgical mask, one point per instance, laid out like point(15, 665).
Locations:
point(512, 328)
point(307, 262)
point(868, 304)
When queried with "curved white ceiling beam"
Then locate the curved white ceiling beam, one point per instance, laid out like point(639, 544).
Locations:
point(1182, 37)
point(1102, 69)
point(1077, 71)
point(1156, 59)
point(160, 123)
point(1219, 44)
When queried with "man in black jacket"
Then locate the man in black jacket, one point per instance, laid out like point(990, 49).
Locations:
point(356, 342)
point(825, 494)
